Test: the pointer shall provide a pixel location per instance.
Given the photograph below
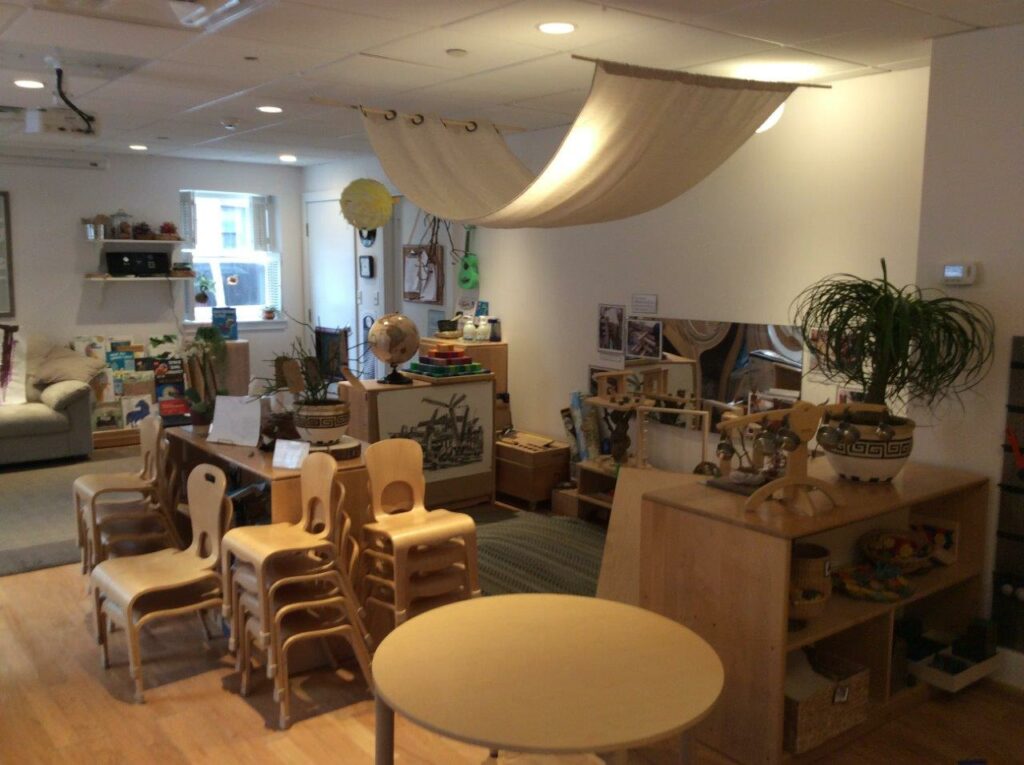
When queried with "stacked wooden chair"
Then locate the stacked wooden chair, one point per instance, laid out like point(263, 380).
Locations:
point(139, 522)
point(134, 591)
point(291, 583)
point(412, 558)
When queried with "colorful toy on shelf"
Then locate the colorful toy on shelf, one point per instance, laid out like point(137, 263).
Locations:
point(780, 438)
point(452, 362)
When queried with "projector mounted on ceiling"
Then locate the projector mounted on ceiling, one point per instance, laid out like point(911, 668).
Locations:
point(59, 121)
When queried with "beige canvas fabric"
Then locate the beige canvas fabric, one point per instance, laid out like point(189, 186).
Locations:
point(643, 137)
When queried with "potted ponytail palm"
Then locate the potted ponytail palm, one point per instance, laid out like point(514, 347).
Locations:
point(319, 418)
point(900, 345)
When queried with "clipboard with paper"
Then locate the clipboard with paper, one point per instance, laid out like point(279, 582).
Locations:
point(236, 420)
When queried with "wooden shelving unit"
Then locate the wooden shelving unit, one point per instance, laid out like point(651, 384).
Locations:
point(724, 573)
point(596, 483)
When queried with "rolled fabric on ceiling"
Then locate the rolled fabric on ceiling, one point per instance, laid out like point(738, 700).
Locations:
point(643, 137)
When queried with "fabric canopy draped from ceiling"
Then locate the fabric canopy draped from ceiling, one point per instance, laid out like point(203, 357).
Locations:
point(643, 137)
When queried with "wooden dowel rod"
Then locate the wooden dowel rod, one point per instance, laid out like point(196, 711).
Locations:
point(674, 71)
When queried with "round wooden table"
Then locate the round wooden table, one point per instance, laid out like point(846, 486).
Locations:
point(551, 674)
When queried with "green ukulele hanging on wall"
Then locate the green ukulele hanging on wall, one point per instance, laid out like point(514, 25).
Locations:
point(469, 267)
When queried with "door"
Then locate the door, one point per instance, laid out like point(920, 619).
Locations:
point(330, 264)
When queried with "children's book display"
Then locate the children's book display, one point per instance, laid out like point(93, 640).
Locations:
point(138, 380)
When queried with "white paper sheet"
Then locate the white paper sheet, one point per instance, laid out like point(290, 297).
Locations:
point(236, 420)
point(288, 455)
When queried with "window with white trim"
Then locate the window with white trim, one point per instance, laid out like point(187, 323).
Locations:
point(229, 237)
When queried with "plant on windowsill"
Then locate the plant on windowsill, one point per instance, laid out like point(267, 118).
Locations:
point(898, 344)
point(204, 353)
point(269, 312)
point(203, 285)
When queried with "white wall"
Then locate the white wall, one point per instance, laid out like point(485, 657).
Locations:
point(51, 254)
point(834, 187)
point(972, 205)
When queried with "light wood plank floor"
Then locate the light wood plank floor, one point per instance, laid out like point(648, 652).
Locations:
point(58, 705)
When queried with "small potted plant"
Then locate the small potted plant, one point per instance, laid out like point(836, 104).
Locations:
point(269, 312)
point(203, 354)
point(899, 345)
point(141, 230)
point(204, 285)
point(169, 231)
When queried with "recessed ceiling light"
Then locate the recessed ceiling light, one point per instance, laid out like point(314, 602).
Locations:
point(457, 52)
point(138, 147)
point(287, 158)
point(29, 84)
point(556, 27)
point(269, 109)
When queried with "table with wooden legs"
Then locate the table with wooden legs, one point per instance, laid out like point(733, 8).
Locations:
point(545, 674)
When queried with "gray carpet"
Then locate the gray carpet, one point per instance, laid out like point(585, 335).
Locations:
point(37, 525)
point(536, 553)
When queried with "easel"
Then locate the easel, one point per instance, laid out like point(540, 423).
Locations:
point(802, 419)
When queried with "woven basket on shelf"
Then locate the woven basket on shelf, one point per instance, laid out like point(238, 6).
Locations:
point(832, 710)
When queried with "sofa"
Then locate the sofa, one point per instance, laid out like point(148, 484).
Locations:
point(55, 419)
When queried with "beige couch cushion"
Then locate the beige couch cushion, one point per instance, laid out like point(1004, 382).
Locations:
point(62, 364)
point(59, 395)
point(31, 420)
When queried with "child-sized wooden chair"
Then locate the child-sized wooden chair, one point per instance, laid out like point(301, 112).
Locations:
point(94, 508)
point(134, 591)
point(410, 553)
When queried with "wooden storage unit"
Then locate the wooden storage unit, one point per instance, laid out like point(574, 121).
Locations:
point(530, 474)
point(724, 573)
point(493, 357)
point(363, 422)
point(596, 487)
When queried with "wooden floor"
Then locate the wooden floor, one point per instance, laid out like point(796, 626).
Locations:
point(57, 705)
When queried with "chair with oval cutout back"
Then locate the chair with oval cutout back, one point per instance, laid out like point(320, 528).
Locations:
point(410, 553)
point(134, 591)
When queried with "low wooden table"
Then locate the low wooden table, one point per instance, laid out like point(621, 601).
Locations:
point(553, 674)
point(188, 449)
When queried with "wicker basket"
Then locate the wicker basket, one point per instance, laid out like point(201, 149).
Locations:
point(828, 713)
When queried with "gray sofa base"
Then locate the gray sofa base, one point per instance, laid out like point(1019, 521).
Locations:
point(76, 441)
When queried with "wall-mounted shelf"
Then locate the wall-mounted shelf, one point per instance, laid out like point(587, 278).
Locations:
point(155, 244)
point(139, 279)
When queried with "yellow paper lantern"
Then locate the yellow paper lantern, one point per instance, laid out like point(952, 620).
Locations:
point(366, 204)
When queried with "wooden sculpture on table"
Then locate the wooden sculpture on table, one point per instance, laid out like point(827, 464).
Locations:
point(788, 430)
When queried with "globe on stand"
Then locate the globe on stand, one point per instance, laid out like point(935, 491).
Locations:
point(394, 339)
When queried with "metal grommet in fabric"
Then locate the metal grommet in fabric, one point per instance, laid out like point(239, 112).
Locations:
point(471, 127)
point(390, 114)
point(416, 119)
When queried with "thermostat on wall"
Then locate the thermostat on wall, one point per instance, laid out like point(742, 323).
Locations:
point(959, 274)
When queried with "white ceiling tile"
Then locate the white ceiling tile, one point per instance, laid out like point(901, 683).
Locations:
point(673, 46)
point(8, 13)
point(272, 60)
point(871, 48)
point(518, 23)
point(782, 65)
point(81, 33)
point(428, 48)
point(979, 12)
point(676, 10)
point(568, 102)
point(424, 12)
point(384, 75)
point(791, 22)
point(915, 63)
point(199, 76)
point(136, 11)
point(11, 95)
point(305, 26)
point(162, 97)
point(554, 74)
point(527, 119)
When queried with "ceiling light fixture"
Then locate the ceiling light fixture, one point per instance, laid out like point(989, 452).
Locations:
point(288, 158)
point(269, 109)
point(29, 84)
point(772, 120)
point(138, 147)
point(556, 27)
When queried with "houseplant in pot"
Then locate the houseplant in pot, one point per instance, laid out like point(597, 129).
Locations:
point(203, 354)
point(204, 284)
point(899, 345)
point(319, 417)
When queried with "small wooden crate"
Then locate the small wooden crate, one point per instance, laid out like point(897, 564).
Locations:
point(565, 502)
point(841, 706)
point(529, 471)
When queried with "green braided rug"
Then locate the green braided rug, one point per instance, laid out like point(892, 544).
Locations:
point(535, 553)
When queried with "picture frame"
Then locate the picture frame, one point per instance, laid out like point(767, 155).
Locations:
point(423, 273)
point(366, 266)
point(643, 339)
point(611, 327)
point(6, 257)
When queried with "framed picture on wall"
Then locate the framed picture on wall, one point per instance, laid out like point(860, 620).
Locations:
point(423, 273)
point(643, 339)
point(610, 327)
point(6, 266)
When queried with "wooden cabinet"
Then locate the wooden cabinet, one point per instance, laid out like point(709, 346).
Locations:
point(596, 487)
point(493, 357)
point(724, 573)
point(530, 472)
